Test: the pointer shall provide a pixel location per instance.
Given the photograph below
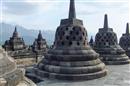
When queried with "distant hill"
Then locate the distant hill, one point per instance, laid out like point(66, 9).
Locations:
point(29, 36)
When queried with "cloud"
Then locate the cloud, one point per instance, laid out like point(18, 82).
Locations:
point(19, 8)
point(96, 6)
point(28, 7)
point(102, 0)
point(46, 14)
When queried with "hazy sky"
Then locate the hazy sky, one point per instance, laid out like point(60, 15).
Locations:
point(46, 14)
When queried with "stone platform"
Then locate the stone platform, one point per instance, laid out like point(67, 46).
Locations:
point(117, 76)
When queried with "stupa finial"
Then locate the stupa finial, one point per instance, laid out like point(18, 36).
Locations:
point(127, 28)
point(40, 35)
point(72, 13)
point(105, 21)
point(15, 29)
point(15, 33)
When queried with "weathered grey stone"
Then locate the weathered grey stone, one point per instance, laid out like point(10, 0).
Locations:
point(2, 82)
point(71, 57)
point(91, 42)
point(39, 45)
point(125, 41)
point(15, 42)
point(107, 46)
point(117, 76)
point(16, 47)
point(9, 74)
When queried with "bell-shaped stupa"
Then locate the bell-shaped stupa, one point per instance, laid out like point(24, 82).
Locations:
point(106, 44)
point(91, 42)
point(10, 75)
point(15, 42)
point(39, 45)
point(71, 58)
point(125, 41)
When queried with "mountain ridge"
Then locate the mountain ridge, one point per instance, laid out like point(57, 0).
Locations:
point(6, 31)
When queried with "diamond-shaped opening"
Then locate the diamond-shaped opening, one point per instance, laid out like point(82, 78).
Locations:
point(77, 33)
point(67, 37)
point(74, 38)
point(62, 43)
point(78, 43)
point(70, 43)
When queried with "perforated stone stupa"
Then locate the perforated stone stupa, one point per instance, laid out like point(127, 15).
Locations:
point(71, 57)
point(15, 42)
point(16, 47)
point(107, 46)
point(39, 46)
point(91, 42)
point(125, 41)
point(10, 75)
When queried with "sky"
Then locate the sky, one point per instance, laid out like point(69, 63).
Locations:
point(46, 14)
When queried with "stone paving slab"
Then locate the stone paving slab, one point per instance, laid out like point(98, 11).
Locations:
point(118, 75)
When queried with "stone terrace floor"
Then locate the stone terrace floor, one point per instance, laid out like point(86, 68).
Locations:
point(118, 75)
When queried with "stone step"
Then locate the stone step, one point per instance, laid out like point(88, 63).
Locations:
point(115, 58)
point(117, 62)
point(89, 76)
point(72, 64)
point(70, 51)
point(72, 70)
point(68, 57)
